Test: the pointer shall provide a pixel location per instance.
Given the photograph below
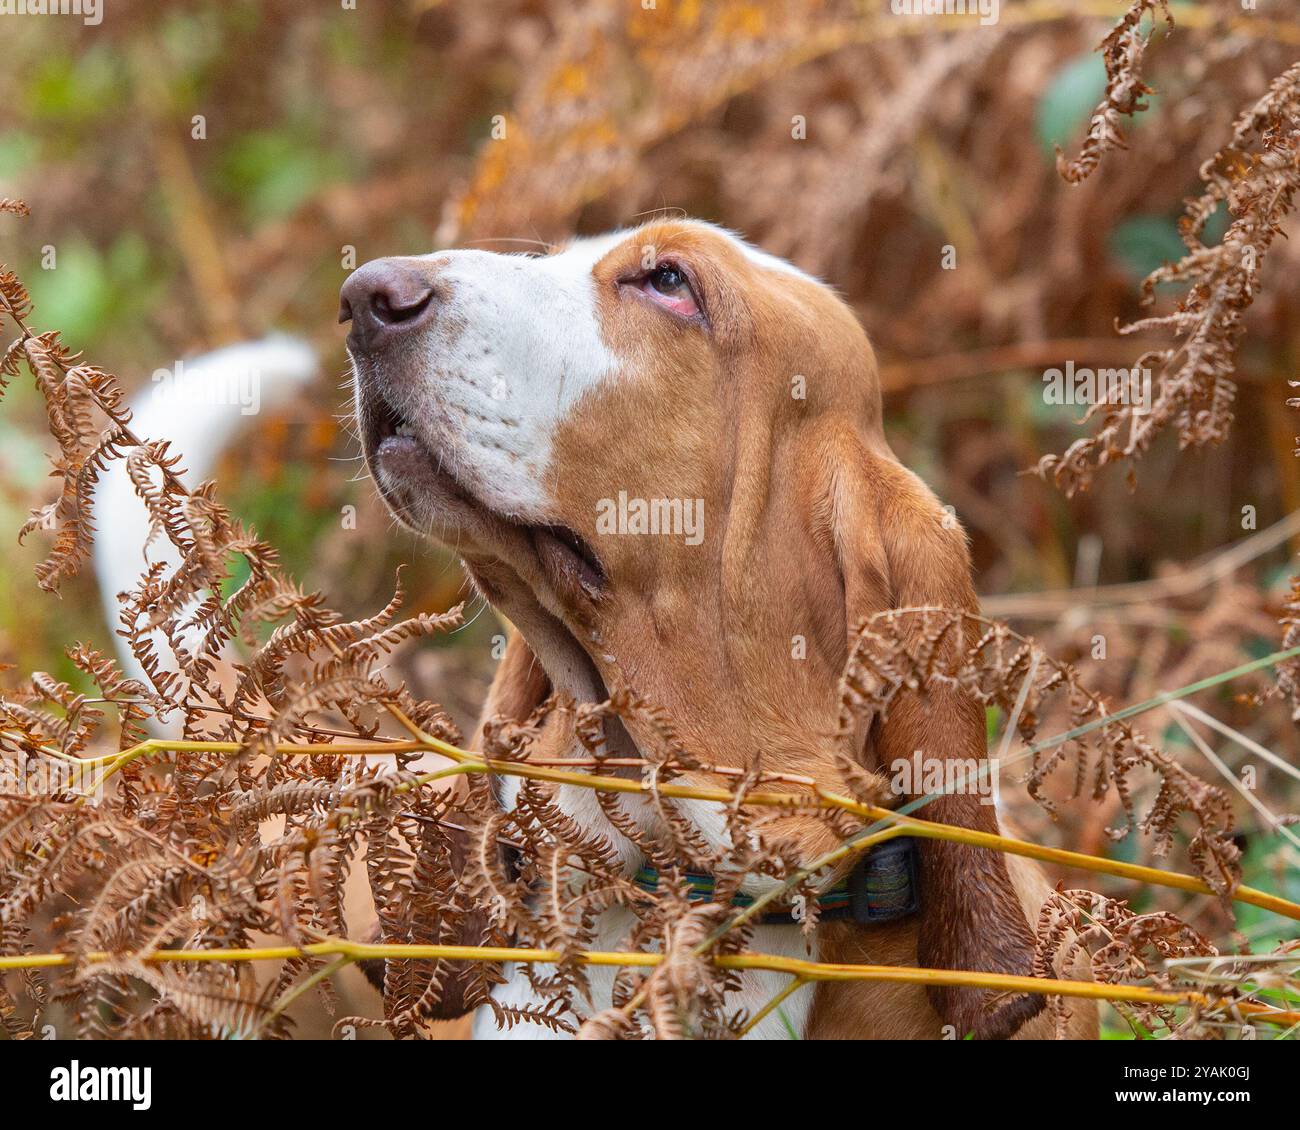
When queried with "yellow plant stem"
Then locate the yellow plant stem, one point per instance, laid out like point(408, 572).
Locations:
point(800, 969)
point(901, 824)
point(795, 984)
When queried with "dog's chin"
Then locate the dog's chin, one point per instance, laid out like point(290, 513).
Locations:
point(417, 491)
point(534, 573)
point(428, 497)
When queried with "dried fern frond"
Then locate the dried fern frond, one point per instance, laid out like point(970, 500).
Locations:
point(900, 652)
point(1120, 947)
point(128, 860)
point(1254, 178)
point(1122, 51)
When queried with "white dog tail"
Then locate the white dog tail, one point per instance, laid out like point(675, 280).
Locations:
point(201, 407)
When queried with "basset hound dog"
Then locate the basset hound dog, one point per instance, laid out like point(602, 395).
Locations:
point(542, 413)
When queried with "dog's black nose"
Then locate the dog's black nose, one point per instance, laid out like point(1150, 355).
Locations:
point(385, 298)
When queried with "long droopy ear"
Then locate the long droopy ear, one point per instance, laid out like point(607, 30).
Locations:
point(900, 549)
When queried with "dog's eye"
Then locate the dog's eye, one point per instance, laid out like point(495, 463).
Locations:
point(668, 286)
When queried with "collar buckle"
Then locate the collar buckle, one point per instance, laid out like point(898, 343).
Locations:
point(884, 886)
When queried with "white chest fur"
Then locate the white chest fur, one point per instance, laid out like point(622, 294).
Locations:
point(757, 987)
point(614, 926)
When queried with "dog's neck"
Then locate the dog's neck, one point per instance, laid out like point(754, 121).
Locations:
point(718, 721)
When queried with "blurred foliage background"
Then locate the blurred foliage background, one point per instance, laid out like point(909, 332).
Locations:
point(858, 143)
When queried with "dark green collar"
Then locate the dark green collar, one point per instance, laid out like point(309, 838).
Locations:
point(882, 887)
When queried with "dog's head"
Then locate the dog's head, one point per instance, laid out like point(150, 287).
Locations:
point(626, 440)
point(660, 454)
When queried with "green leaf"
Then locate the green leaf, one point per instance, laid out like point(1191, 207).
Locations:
point(789, 1027)
point(1143, 243)
point(18, 152)
point(1069, 100)
point(76, 295)
point(87, 288)
point(85, 89)
point(272, 173)
point(992, 719)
